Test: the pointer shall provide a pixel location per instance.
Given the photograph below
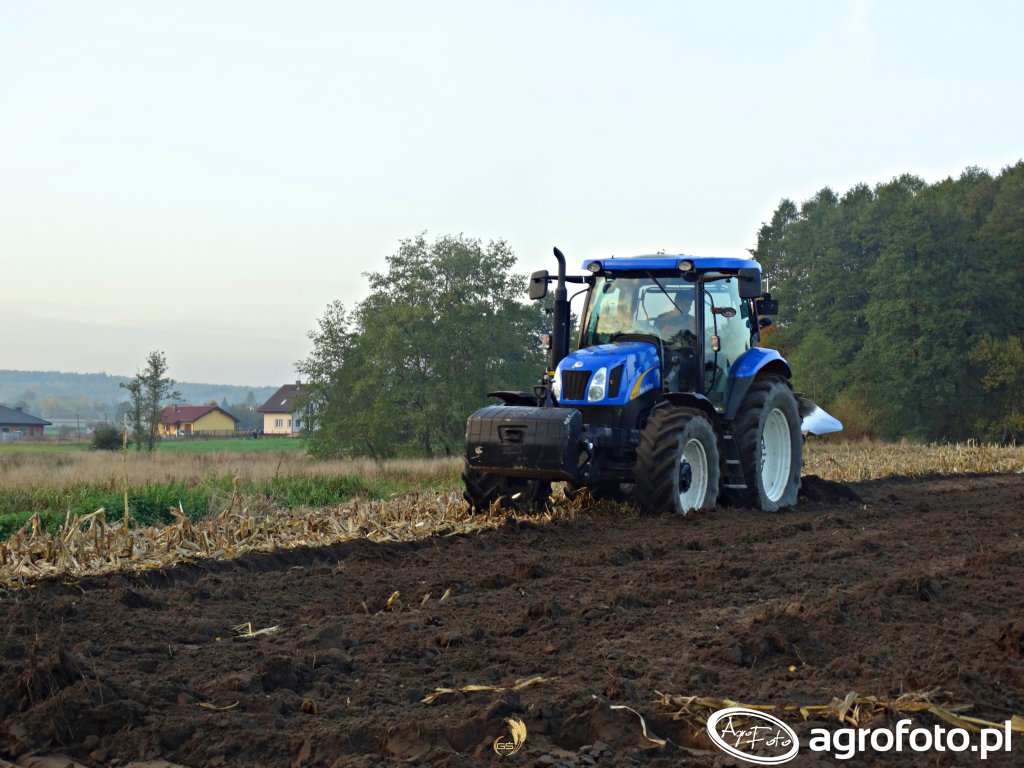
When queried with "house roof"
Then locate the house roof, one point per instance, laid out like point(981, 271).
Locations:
point(182, 414)
point(15, 417)
point(282, 401)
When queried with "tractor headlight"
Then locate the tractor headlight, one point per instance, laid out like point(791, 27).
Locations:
point(597, 385)
point(556, 385)
point(685, 265)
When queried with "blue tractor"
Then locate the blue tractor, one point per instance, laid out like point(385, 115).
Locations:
point(667, 400)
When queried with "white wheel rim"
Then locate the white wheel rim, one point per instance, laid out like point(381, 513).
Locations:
point(776, 455)
point(696, 459)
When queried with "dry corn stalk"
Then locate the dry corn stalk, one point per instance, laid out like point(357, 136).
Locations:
point(246, 630)
point(518, 685)
point(215, 708)
point(643, 725)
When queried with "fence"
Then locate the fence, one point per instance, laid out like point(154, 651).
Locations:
point(211, 434)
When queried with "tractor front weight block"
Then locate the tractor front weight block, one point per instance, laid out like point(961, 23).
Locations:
point(522, 441)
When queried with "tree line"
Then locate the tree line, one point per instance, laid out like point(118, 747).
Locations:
point(902, 305)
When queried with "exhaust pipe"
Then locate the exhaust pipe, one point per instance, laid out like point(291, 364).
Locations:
point(560, 316)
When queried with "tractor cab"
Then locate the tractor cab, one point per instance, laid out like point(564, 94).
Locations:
point(698, 321)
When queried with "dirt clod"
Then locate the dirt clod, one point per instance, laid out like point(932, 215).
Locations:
point(816, 489)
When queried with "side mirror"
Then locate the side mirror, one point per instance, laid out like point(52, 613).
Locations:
point(766, 305)
point(750, 283)
point(538, 285)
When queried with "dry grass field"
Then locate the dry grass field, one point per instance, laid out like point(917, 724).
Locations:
point(829, 459)
point(104, 469)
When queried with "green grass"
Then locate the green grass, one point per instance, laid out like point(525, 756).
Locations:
point(53, 479)
point(263, 445)
point(239, 444)
point(151, 503)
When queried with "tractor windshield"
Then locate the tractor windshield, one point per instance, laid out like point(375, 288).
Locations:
point(642, 305)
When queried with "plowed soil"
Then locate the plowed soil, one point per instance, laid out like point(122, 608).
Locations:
point(915, 586)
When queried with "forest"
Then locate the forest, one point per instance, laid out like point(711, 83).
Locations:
point(901, 304)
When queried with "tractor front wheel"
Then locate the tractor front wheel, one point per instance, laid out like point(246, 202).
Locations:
point(677, 466)
point(770, 445)
point(522, 494)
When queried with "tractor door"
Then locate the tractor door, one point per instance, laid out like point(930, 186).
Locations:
point(726, 335)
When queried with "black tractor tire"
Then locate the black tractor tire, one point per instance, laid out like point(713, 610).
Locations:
point(677, 462)
point(771, 448)
point(521, 494)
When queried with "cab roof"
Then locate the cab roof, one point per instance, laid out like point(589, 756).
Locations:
point(669, 262)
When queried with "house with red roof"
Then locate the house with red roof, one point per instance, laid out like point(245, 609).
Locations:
point(188, 420)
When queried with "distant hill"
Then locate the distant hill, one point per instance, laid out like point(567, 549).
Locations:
point(92, 396)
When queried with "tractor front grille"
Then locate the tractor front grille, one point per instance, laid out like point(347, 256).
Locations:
point(574, 385)
point(615, 381)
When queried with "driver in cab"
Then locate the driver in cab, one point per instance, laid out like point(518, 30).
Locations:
point(677, 327)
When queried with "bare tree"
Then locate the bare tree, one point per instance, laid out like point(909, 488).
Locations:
point(148, 391)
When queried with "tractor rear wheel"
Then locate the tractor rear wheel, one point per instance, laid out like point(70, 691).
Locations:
point(483, 489)
point(767, 435)
point(677, 467)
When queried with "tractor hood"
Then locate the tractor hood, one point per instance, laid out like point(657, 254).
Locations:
point(608, 374)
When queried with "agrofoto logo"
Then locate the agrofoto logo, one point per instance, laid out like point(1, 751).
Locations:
point(764, 739)
point(756, 737)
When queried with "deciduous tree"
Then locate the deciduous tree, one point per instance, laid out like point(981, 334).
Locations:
point(400, 372)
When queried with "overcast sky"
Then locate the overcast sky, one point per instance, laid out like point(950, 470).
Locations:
point(205, 177)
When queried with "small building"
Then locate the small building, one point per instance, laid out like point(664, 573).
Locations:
point(199, 420)
point(281, 416)
point(15, 424)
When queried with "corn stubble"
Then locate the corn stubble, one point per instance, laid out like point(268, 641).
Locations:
point(97, 543)
point(850, 462)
